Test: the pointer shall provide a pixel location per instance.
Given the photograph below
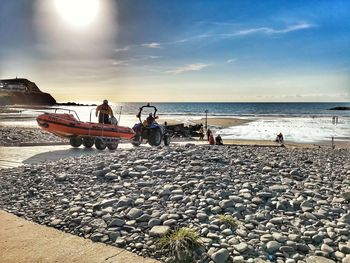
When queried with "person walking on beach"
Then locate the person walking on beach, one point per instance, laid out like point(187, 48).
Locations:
point(201, 133)
point(208, 134)
point(103, 112)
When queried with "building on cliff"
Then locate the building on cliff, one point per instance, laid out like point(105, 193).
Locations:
point(18, 84)
point(24, 92)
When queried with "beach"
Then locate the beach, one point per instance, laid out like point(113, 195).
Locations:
point(290, 201)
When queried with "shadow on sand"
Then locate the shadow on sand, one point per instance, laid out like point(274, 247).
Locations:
point(60, 154)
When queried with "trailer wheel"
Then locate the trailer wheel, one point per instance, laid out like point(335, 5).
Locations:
point(100, 144)
point(137, 140)
point(166, 140)
point(88, 142)
point(112, 146)
point(75, 141)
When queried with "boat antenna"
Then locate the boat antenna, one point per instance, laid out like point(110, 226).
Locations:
point(120, 113)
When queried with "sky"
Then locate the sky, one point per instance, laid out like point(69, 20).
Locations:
point(183, 50)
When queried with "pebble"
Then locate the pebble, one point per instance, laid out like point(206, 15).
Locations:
point(287, 209)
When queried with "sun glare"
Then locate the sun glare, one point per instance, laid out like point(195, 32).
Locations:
point(77, 12)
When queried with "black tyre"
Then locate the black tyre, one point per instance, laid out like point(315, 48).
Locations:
point(75, 141)
point(155, 137)
point(166, 140)
point(88, 142)
point(100, 144)
point(137, 140)
point(112, 146)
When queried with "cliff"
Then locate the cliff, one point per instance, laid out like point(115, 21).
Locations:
point(23, 92)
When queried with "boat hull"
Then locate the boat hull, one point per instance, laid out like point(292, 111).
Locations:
point(65, 125)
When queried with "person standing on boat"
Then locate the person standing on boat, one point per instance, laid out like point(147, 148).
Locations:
point(104, 111)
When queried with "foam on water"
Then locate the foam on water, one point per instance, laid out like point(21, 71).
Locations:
point(300, 129)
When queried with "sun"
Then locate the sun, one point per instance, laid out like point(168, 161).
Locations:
point(78, 13)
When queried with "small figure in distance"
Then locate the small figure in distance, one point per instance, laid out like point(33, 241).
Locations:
point(279, 138)
point(201, 133)
point(218, 140)
point(103, 112)
point(211, 139)
point(208, 134)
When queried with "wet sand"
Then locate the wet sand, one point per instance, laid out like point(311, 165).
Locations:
point(222, 122)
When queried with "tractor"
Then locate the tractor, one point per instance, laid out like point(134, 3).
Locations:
point(149, 130)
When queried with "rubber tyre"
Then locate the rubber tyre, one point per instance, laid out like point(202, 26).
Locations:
point(112, 146)
point(166, 140)
point(155, 137)
point(137, 140)
point(100, 144)
point(75, 141)
point(88, 142)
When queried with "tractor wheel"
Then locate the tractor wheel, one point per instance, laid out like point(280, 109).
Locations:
point(100, 144)
point(112, 146)
point(88, 142)
point(166, 140)
point(75, 141)
point(155, 137)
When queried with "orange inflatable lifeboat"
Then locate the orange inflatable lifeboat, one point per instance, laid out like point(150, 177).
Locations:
point(86, 133)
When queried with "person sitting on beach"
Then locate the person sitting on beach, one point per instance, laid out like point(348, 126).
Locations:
point(279, 138)
point(208, 134)
point(211, 139)
point(218, 140)
point(103, 112)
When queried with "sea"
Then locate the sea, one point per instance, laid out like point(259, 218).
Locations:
point(298, 122)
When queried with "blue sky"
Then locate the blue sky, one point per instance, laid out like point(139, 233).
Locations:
point(135, 50)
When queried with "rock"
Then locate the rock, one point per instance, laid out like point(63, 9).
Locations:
point(98, 223)
point(241, 247)
point(124, 201)
point(120, 242)
point(238, 259)
point(134, 213)
point(346, 196)
point(108, 202)
point(272, 247)
point(170, 222)
point(317, 259)
point(327, 249)
point(159, 231)
point(116, 222)
point(61, 177)
point(95, 237)
point(344, 248)
point(202, 217)
point(154, 222)
point(221, 256)
point(176, 198)
point(55, 222)
point(226, 203)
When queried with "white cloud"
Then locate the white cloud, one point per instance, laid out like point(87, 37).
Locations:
point(119, 62)
point(152, 57)
point(122, 49)
point(152, 45)
point(186, 68)
point(268, 30)
point(231, 60)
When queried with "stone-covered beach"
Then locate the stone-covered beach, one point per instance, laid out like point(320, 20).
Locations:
point(291, 205)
